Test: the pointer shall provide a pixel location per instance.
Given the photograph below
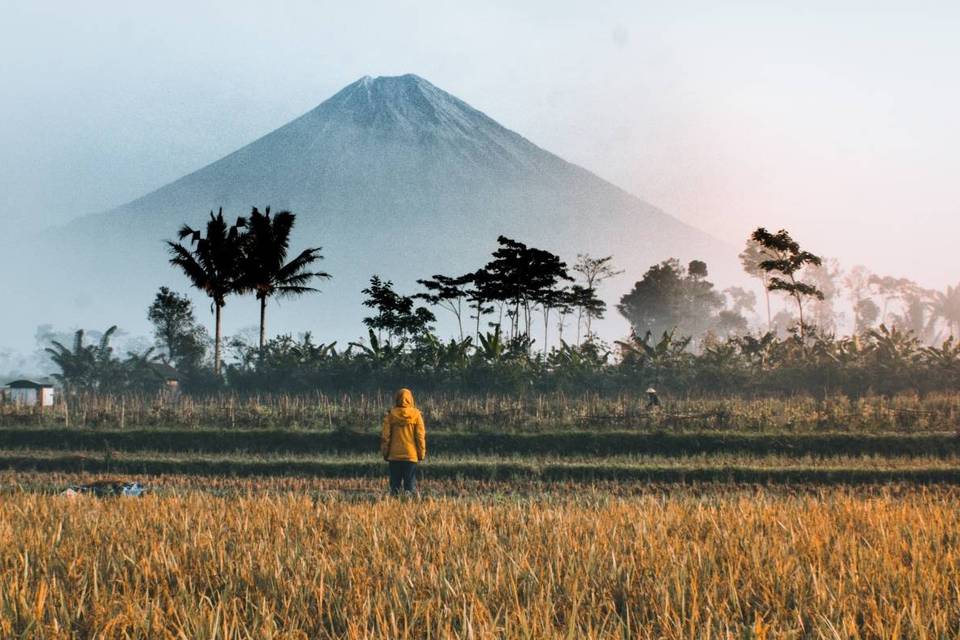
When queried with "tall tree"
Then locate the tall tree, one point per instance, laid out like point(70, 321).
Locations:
point(750, 258)
point(669, 298)
point(919, 317)
point(907, 306)
point(946, 306)
point(825, 277)
point(448, 292)
point(891, 290)
point(741, 300)
point(550, 299)
point(865, 315)
point(865, 310)
point(732, 321)
point(594, 271)
point(523, 278)
point(482, 292)
point(212, 263)
point(395, 314)
point(586, 303)
point(180, 338)
point(265, 270)
point(789, 260)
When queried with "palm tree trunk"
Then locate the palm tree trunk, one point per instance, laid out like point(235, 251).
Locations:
point(546, 328)
point(579, 323)
point(216, 342)
point(766, 293)
point(459, 317)
point(803, 341)
point(263, 322)
point(479, 308)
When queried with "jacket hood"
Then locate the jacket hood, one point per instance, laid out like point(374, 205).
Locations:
point(404, 399)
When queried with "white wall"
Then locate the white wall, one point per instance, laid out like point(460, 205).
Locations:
point(22, 396)
point(29, 397)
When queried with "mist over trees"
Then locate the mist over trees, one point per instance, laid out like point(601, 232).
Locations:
point(524, 322)
point(671, 298)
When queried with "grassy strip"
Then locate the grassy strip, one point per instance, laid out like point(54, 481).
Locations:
point(472, 489)
point(481, 470)
point(720, 460)
point(580, 443)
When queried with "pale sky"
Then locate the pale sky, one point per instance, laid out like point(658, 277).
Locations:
point(836, 120)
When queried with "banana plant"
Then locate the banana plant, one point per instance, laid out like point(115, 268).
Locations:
point(492, 346)
point(84, 366)
point(833, 352)
point(721, 355)
point(587, 357)
point(379, 353)
point(430, 352)
point(945, 357)
point(892, 348)
point(758, 351)
point(668, 350)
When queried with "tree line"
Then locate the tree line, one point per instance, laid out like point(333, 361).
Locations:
point(684, 332)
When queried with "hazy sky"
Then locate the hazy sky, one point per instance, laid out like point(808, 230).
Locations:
point(837, 120)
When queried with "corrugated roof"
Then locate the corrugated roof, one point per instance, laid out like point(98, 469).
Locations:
point(29, 384)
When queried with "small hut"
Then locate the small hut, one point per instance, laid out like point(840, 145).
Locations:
point(30, 393)
point(171, 377)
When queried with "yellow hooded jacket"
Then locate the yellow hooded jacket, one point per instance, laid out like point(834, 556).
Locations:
point(404, 435)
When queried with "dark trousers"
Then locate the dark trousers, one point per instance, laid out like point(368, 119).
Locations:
point(403, 476)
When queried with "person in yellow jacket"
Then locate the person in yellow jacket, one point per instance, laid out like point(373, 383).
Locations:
point(403, 442)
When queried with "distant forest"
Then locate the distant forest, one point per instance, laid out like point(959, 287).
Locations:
point(524, 321)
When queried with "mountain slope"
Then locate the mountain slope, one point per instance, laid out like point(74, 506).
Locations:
point(391, 176)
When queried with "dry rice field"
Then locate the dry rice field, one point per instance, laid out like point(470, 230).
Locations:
point(301, 558)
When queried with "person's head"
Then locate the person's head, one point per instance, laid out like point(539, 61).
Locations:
point(403, 399)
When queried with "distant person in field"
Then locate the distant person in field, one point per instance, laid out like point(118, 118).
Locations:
point(403, 442)
point(653, 400)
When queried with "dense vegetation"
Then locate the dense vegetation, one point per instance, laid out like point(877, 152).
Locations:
point(525, 325)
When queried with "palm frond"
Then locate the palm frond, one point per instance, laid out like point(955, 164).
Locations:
point(182, 257)
point(187, 230)
point(290, 291)
point(303, 260)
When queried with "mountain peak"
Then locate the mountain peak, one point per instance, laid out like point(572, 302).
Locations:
point(405, 79)
point(385, 159)
point(390, 91)
point(409, 107)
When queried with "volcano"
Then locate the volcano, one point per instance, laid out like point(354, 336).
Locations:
point(391, 176)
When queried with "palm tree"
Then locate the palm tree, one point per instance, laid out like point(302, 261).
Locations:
point(946, 306)
point(85, 366)
point(265, 270)
point(212, 264)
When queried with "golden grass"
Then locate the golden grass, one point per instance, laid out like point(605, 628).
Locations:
point(835, 564)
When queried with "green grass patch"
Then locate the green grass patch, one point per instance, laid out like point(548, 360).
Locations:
point(560, 444)
point(729, 469)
